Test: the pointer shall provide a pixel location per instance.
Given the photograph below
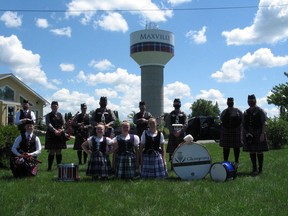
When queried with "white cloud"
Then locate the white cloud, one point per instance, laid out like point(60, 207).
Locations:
point(178, 2)
point(88, 8)
point(112, 22)
point(42, 23)
point(269, 25)
point(67, 67)
point(102, 65)
point(176, 90)
point(197, 37)
point(107, 91)
point(69, 101)
point(119, 77)
point(233, 70)
point(11, 19)
point(67, 31)
point(22, 62)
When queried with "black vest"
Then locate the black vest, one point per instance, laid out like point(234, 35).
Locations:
point(26, 146)
point(252, 119)
point(152, 143)
point(101, 147)
point(125, 145)
point(181, 117)
point(21, 127)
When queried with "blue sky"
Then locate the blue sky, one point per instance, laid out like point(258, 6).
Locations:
point(77, 51)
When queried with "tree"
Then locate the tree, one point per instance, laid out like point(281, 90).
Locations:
point(203, 107)
point(279, 96)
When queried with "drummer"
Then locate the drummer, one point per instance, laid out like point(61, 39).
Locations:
point(176, 134)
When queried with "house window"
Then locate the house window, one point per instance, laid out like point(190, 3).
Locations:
point(6, 93)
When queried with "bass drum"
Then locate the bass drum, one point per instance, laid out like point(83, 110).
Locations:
point(191, 161)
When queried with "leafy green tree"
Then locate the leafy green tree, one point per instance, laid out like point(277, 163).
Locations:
point(203, 107)
point(279, 96)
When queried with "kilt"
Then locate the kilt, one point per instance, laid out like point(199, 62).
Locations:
point(255, 145)
point(55, 142)
point(231, 137)
point(78, 142)
point(26, 168)
point(173, 143)
point(99, 165)
point(126, 165)
point(153, 166)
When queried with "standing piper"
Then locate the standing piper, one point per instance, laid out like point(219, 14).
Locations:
point(104, 115)
point(176, 133)
point(55, 139)
point(230, 136)
point(23, 115)
point(81, 126)
point(254, 135)
point(141, 118)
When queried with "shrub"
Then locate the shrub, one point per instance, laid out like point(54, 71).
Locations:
point(277, 132)
point(7, 136)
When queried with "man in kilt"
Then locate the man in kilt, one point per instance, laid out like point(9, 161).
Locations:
point(26, 148)
point(230, 136)
point(98, 147)
point(127, 157)
point(55, 139)
point(152, 152)
point(176, 135)
point(254, 134)
point(81, 126)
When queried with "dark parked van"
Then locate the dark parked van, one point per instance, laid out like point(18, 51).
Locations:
point(204, 128)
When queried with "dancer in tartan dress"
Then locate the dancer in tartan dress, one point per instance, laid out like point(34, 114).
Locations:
point(127, 147)
point(98, 147)
point(152, 152)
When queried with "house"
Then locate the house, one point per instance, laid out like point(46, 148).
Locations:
point(12, 92)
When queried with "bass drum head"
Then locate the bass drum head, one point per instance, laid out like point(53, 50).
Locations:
point(191, 161)
point(218, 172)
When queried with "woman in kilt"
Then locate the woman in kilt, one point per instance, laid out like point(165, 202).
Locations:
point(152, 152)
point(254, 135)
point(55, 139)
point(127, 147)
point(230, 136)
point(98, 147)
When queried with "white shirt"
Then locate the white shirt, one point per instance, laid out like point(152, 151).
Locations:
point(143, 137)
point(109, 141)
point(136, 139)
point(18, 141)
point(18, 120)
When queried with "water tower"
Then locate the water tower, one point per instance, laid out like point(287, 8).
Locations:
point(152, 48)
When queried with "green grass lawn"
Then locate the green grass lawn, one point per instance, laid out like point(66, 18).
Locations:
point(265, 194)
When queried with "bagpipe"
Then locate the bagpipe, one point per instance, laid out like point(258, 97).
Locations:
point(24, 165)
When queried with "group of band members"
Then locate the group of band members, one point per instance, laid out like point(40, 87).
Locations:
point(245, 130)
point(143, 153)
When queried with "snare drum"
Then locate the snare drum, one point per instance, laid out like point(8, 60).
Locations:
point(68, 172)
point(191, 161)
point(222, 171)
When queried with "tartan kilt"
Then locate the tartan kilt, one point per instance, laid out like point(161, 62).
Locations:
point(126, 165)
point(256, 145)
point(173, 142)
point(99, 165)
point(231, 137)
point(55, 142)
point(153, 166)
point(78, 142)
point(27, 168)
